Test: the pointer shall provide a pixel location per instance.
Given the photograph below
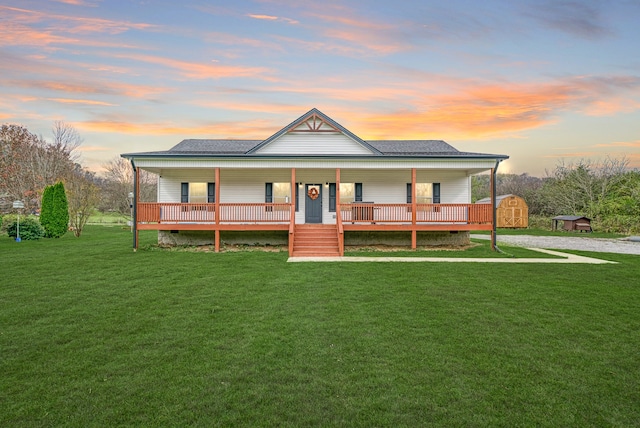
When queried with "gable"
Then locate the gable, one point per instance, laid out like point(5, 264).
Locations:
point(314, 134)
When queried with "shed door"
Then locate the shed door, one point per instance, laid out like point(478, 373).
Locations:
point(313, 203)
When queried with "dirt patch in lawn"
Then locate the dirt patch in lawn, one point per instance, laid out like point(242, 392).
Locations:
point(234, 248)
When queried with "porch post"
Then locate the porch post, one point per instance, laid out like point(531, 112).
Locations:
point(339, 214)
point(414, 209)
point(217, 210)
point(292, 215)
point(493, 209)
point(136, 197)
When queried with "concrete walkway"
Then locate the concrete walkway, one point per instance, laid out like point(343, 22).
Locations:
point(568, 258)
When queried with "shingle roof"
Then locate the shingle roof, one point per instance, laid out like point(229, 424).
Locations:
point(214, 146)
point(386, 147)
point(413, 147)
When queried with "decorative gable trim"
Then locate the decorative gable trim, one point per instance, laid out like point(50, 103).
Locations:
point(314, 121)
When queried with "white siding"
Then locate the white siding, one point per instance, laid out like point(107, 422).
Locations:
point(379, 186)
point(312, 143)
point(169, 181)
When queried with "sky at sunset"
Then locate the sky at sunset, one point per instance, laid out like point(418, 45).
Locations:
point(540, 81)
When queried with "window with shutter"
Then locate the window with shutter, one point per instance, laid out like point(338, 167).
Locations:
point(332, 197)
point(358, 195)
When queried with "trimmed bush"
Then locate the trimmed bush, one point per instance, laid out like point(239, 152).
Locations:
point(55, 211)
point(30, 227)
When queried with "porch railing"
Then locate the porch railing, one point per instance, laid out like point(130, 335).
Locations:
point(425, 213)
point(165, 212)
point(355, 213)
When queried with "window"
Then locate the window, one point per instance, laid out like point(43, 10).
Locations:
point(426, 193)
point(197, 193)
point(281, 193)
point(278, 193)
point(349, 193)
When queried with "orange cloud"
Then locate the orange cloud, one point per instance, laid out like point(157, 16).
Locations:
point(75, 2)
point(584, 155)
point(194, 70)
point(19, 29)
point(267, 17)
point(369, 36)
point(107, 88)
point(247, 129)
point(273, 18)
point(76, 101)
point(632, 144)
point(87, 149)
point(611, 106)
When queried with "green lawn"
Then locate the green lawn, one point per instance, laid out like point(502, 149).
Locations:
point(93, 334)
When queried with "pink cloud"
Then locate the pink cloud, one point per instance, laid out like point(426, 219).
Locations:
point(194, 70)
point(631, 144)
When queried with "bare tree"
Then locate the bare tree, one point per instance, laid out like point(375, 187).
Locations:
point(119, 183)
point(83, 196)
point(18, 180)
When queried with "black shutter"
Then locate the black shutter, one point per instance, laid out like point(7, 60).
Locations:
point(268, 193)
point(332, 197)
point(184, 193)
point(297, 197)
point(211, 192)
point(408, 193)
point(358, 192)
point(436, 193)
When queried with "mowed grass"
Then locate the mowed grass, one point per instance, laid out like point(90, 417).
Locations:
point(93, 334)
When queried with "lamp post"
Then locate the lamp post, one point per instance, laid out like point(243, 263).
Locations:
point(18, 205)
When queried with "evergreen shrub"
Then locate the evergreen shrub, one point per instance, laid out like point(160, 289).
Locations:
point(30, 227)
point(54, 214)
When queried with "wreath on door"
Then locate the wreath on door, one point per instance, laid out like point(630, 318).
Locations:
point(313, 193)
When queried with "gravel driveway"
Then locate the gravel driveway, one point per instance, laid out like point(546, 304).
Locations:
point(602, 245)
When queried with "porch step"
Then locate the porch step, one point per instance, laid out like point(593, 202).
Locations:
point(316, 240)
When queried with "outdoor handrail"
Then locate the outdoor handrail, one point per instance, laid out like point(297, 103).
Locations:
point(171, 212)
point(360, 213)
point(425, 213)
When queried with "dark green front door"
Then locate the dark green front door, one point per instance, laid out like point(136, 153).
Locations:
point(313, 203)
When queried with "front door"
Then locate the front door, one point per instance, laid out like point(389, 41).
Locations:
point(313, 203)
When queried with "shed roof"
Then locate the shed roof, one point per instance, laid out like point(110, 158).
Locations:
point(570, 217)
point(498, 199)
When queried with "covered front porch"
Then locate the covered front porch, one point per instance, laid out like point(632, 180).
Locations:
point(306, 191)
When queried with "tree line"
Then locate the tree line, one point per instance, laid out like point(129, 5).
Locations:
point(29, 164)
point(606, 191)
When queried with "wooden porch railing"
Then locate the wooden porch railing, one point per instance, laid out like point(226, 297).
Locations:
point(355, 213)
point(165, 212)
point(425, 213)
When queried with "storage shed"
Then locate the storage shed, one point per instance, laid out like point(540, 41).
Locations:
point(573, 222)
point(511, 211)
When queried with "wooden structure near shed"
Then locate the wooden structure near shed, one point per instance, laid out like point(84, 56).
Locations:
point(573, 222)
point(511, 211)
